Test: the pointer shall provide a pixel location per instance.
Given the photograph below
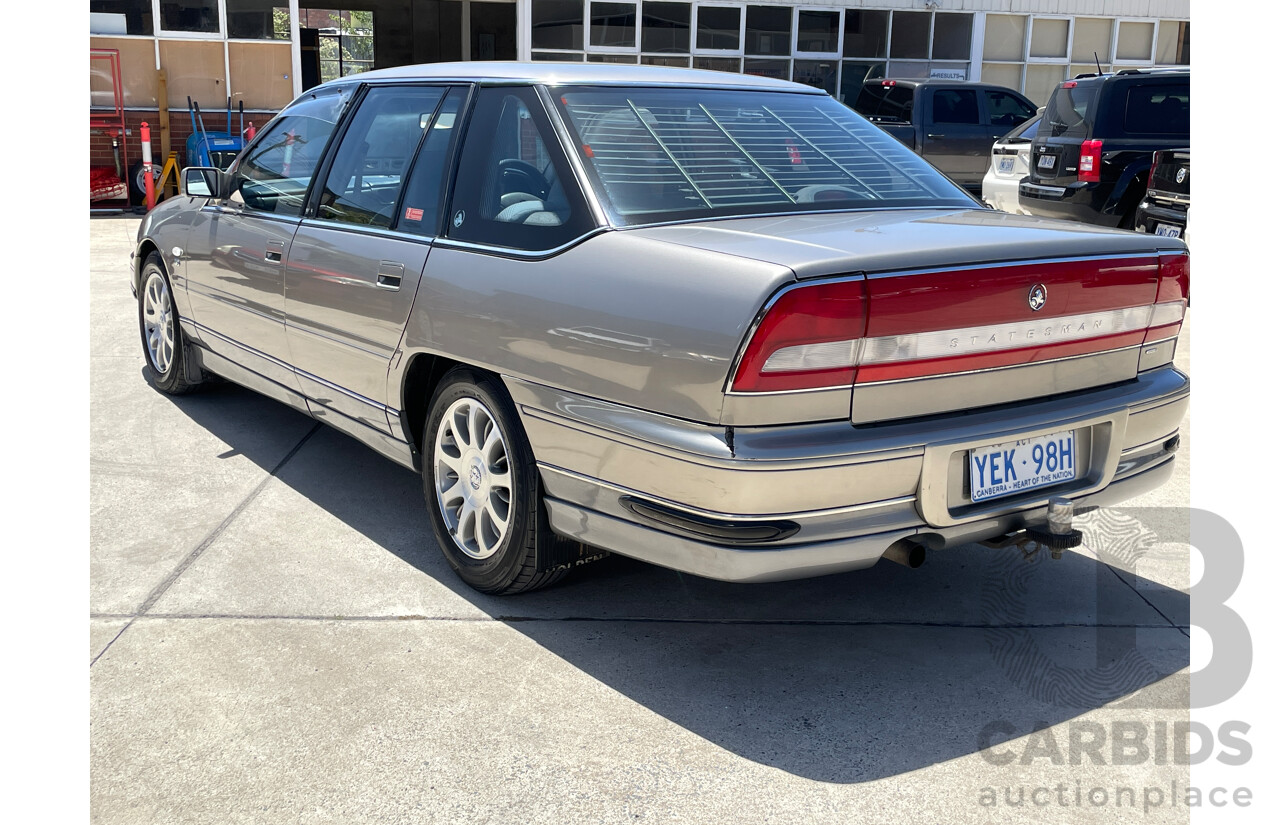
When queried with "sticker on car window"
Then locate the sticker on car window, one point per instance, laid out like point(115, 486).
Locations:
point(411, 214)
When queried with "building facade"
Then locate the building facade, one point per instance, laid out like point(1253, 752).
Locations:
point(262, 53)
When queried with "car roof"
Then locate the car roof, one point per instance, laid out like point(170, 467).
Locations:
point(1135, 73)
point(512, 72)
point(930, 81)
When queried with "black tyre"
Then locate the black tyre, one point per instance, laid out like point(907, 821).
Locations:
point(138, 182)
point(483, 490)
point(163, 346)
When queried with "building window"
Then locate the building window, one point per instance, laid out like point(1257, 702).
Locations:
point(665, 29)
point(120, 17)
point(557, 24)
point(720, 28)
point(952, 36)
point(769, 31)
point(1049, 37)
point(866, 33)
point(258, 19)
point(346, 40)
point(1133, 42)
point(819, 31)
point(613, 25)
point(189, 16)
point(910, 35)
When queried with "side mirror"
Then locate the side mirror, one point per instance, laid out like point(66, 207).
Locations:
point(202, 182)
point(1040, 110)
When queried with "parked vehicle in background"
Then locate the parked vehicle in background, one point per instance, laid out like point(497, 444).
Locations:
point(1168, 200)
point(1092, 154)
point(950, 123)
point(720, 323)
point(1010, 163)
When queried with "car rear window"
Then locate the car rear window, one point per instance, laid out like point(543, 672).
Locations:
point(1071, 110)
point(879, 100)
point(662, 153)
point(1163, 109)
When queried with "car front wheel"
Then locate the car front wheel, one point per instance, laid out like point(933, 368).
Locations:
point(483, 490)
point(162, 341)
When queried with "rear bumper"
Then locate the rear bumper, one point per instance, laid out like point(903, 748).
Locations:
point(1151, 213)
point(789, 502)
point(1084, 202)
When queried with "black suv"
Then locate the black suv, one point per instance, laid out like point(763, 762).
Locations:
point(1092, 155)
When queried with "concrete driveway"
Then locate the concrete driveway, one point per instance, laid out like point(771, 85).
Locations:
point(274, 637)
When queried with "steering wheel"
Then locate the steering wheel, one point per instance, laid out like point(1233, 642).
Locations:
point(518, 176)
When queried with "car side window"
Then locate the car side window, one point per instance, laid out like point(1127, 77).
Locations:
point(369, 166)
point(1158, 109)
point(955, 106)
point(274, 176)
point(423, 194)
point(1003, 109)
point(514, 187)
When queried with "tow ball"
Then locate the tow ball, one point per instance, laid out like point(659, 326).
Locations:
point(1057, 535)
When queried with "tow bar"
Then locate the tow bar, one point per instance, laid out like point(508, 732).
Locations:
point(1057, 535)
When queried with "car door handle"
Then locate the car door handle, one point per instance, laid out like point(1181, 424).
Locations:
point(274, 252)
point(390, 274)
point(936, 136)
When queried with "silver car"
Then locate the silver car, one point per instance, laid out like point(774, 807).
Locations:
point(716, 322)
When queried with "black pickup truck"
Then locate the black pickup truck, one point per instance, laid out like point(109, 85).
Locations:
point(950, 123)
point(1167, 204)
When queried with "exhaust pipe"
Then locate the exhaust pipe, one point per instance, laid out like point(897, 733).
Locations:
point(905, 552)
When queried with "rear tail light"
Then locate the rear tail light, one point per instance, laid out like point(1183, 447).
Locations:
point(807, 339)
point(1172, 296)
point(1090, 168)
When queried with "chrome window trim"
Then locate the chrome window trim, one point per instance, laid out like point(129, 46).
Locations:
point(523, 254)
point(377, 231)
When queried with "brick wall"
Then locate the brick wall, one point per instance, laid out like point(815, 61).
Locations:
point(179, 130)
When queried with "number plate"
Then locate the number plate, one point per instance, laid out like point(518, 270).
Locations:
point(1006, 165)
point(1017, 466)
point(1169, 230)
point(1046, 162)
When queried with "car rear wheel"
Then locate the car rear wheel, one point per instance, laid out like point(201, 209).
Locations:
point(162, 341)
point(483, 490)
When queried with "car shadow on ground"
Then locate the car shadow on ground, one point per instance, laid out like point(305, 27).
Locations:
point(846, 678)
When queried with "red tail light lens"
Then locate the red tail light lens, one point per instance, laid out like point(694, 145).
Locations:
point(1090, 168)
point(1171, 298)
point(807, 339)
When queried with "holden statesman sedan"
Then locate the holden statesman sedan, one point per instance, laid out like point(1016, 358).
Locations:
point(715, 322)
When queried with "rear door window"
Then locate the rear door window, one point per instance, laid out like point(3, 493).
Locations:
point(364, 179)
point(420, 206)
point(955, 106)
point(1158, 109)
